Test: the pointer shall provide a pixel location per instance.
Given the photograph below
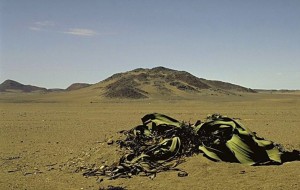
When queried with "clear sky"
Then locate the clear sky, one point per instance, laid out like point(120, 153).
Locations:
point(54, 43)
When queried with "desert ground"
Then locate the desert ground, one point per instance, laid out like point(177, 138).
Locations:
point(43, 140)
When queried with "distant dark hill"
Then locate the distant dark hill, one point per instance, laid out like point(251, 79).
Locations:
point(77, 86)
point(56, 90)
point(160, 81)
point(10, 85)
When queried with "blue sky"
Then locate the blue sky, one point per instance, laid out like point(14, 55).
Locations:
point(54, 43)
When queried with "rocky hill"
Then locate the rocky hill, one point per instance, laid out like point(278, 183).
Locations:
point(143, 83)
point(10, 85)
point(77, 86)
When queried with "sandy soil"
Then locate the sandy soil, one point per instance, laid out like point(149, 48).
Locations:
point(41, 143)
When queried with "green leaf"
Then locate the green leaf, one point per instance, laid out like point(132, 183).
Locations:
point(210, 153)
point(175, 144)
point(241, 150)
point(160, 119)
point(262, 143)
point(274, 154)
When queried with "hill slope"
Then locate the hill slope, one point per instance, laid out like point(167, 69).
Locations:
point(77, 86)
point(10, 85)
point(160, 81)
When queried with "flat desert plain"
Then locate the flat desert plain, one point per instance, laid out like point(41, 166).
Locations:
point(43, 142)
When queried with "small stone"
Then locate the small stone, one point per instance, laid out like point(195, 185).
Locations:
point(182, 174)
point(110, 141)
point(152, 176)
point(100, 180)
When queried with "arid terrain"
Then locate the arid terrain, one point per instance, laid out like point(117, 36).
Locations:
point(45, 137)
